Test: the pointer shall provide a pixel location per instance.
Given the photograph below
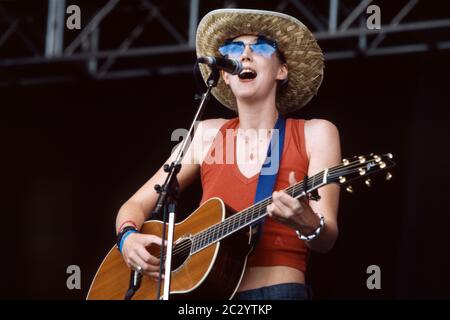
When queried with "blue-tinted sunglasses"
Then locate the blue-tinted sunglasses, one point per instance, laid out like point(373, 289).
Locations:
point(234, 49)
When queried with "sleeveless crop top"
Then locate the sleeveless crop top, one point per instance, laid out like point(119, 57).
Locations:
point(279, 244)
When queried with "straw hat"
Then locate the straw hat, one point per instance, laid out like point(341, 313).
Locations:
point(303, 54)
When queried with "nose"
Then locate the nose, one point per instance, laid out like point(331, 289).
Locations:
point(247, 54)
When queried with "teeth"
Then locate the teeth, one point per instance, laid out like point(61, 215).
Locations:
point(247, 73)
point(247, 70)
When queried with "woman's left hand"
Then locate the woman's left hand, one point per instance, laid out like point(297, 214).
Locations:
point(295, 213)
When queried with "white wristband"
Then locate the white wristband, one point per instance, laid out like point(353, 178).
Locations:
point(316, 232)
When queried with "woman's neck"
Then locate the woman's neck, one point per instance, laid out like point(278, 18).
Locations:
point(257, 116)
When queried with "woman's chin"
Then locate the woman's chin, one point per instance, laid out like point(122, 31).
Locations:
point(246, 95)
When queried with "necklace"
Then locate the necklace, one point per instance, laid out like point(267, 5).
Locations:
point(260, 137)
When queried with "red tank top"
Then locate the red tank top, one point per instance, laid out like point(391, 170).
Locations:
point(279, 244)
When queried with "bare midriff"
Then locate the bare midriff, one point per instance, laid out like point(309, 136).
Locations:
point(257, 277)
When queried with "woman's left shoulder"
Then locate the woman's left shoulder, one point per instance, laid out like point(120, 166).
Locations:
point(320, 127)
point(322, 138)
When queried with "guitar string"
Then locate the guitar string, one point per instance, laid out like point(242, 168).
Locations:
point(239, 218)
point(205, 235)
point(185, 248)
point(189, 244)
point(243, 217)
point(333, 173)
point(182, 249)
point(248, 212)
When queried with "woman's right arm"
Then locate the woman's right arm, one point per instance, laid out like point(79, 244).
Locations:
point(138, 208)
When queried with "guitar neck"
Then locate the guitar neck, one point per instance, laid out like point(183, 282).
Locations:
point(349, 170)
point(254, 213)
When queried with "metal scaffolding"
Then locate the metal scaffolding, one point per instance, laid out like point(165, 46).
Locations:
point(340, 28)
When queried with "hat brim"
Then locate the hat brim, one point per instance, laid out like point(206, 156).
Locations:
point(303, 55)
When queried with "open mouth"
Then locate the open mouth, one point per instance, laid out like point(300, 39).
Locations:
point(247, 73)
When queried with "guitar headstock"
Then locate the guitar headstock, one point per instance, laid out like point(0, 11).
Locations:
point(360, 167)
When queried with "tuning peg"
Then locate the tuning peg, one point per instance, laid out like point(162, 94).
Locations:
point(345, 162)
point(388, 176)
point(349, 189)
point(362, 171)
point(382, 164)
point(368, 182)
point(342, 179)
point(362, 159)
point(390, 155)
point(377, 158)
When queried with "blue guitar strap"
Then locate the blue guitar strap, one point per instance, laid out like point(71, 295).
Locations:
point(269, 171)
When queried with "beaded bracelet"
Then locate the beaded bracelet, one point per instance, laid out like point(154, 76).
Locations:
point(316, 232)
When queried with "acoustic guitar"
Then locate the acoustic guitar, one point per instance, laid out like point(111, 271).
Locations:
point(212, 244)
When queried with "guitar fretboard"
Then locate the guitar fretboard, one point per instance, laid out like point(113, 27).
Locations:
point(252, 214)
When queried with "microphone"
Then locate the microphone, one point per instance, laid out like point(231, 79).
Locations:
point(231, 66)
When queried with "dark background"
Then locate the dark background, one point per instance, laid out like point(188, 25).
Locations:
point(72, 153)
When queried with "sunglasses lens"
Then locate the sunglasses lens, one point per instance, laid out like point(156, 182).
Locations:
point(235, 49)
point(232, 49)
point(263, 48)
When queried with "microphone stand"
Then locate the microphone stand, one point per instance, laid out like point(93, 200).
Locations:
point(169, 192)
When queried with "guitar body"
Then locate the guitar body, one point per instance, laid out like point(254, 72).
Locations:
point(213, 272)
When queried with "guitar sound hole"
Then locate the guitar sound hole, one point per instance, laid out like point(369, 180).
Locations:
point(181, 252)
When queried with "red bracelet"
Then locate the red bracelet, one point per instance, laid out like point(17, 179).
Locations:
point(128, 221)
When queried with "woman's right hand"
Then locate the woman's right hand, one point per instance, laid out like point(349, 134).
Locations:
point(136, 254)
